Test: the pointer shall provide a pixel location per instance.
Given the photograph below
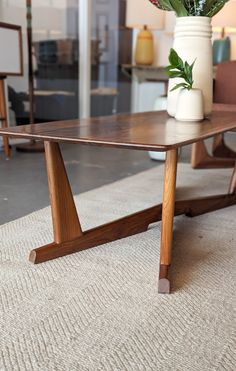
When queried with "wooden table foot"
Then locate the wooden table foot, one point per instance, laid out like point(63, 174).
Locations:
point(163, 282)
point(118, 229)
point(203, 205)
point(128, 226)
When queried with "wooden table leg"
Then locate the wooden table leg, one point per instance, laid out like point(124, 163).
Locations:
point(66, 225)
point(68, 236)
point(168, 210)
point(3, 113)
point(232, 187)
point(201, 159)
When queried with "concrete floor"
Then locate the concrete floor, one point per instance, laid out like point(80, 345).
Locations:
point(23, 182)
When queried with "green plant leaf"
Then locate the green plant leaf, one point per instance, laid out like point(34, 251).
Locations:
point(184, 8)
point(173, 58)
point(180, 85)
point(207, 8)
point(208, 5)
point(173, 74)
point(162, 4)
point(180, 69)
point(165, 4)
point(188, 73)
point(216, 7)
point(191, 65)
point(179, 7)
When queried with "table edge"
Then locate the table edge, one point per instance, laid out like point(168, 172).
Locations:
point(104, 143)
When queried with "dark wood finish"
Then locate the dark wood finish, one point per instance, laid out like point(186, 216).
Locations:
point(147, 131)
point(201, 159)
point(153, 130)
point(125, 38)
point(17, 28)
point(203, 205)
point(3, 116)
point(34, 146)
point(68, 236)
point(66, 223)
point(128, 226)
point(224, 100)
point(222, 155)
point(220, 149)
point(121, 228)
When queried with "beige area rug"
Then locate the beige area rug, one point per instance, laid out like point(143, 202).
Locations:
point(100, 310)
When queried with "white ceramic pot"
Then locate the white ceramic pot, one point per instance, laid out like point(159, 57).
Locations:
point(159, 105)
point(193, 41)
point(189, 105)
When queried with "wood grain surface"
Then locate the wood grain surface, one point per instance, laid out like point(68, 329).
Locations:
point(65, 219)
point(147, 131)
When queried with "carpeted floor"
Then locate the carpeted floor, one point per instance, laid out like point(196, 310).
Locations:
point(100, 310)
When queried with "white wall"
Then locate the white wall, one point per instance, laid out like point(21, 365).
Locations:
point(164, 40)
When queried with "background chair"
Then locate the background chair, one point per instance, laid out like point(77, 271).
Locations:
point(224, 100)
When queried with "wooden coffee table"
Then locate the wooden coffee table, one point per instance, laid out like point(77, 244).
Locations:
point(152, 131)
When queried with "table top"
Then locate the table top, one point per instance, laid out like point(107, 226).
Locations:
point(146, 131)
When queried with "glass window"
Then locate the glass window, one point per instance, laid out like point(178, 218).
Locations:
point(111, 48)
point(55, 50)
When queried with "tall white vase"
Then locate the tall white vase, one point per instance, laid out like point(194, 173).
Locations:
point(192, 40)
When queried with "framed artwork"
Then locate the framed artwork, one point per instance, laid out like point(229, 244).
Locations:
point(11, 54)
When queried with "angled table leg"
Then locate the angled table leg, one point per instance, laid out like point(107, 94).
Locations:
point(66, 225)
point(68, 236)
point(201, 159)
point(168, 210)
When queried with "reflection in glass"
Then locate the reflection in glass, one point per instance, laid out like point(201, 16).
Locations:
point(56, 58)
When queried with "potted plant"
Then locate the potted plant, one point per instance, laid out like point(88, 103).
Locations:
point(190, 101)
point(192, 40)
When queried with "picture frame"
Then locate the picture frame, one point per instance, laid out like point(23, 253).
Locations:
point(11, 55)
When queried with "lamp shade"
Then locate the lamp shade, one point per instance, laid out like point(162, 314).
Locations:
point(142, 12)
point(226, 18)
